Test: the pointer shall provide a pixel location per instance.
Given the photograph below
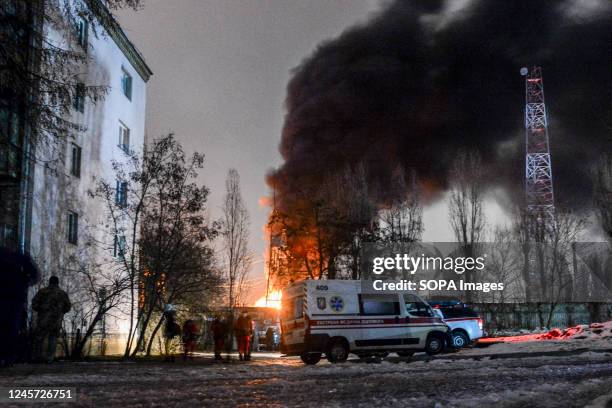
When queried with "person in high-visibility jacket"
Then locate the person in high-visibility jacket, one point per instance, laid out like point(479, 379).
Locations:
point(243, 329)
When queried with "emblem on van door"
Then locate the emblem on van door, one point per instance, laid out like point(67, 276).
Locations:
point(336, 303)
point(321, 304)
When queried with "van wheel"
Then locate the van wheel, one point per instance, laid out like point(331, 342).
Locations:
point(405, 353)
point(310, 358)
point(434, 344)
point(337, 351)
point(460, 339)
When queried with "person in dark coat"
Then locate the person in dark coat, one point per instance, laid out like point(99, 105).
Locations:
point(17, 272)
point(50, 304)
point(270, 339)
point(219, 332)
point(191, 333)
point(171, 330)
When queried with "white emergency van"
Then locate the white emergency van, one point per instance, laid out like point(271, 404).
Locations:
point(336, 317)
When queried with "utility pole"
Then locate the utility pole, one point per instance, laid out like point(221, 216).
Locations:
point(270, 245)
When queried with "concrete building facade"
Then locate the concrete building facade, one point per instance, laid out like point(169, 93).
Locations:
point(63, 220)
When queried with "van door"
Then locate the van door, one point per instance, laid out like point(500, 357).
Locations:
point(383, 325)
point(293, 327)
point(420, 317)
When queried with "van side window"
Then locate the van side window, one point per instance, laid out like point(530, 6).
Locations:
point(293, 308)
point(298, 309)
point(416, 307)
point(379, 305)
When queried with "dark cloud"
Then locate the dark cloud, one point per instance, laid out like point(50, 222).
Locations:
point(418, 82)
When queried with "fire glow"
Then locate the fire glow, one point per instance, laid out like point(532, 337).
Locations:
point(273, 300)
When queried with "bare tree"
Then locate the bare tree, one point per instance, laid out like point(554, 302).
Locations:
point(191, 283)
point(175, 236)
point(359, 211)
point(327, 228)
point(602, 180)
point(554, 263)
point(546, 262)
point(402, 220)
point(323, 223)
point(466, 200)
point(503, 265)
point(235, 235)
point(156, 226)
point(466, 203)
point(98, 291)
point(124, 199)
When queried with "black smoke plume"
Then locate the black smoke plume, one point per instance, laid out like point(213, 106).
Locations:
point(423, 79)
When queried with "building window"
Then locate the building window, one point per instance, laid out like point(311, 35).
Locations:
point(124, 138)
point(10, 8)
point(73, 227)
point(82, 27)
point(78, 101)
point(9, 142)
point(126, 84)
point(121, 193)
point(8, 236)
point(75, 160)
point(119, 246)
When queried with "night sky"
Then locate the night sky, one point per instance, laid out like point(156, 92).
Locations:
point(221, 69)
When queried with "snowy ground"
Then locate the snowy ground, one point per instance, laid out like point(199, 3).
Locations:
point(470, 378)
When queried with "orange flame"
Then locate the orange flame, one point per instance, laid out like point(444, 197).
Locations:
point(274, 300)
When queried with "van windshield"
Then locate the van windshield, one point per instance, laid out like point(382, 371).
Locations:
point(416, 307)
point(292, 308)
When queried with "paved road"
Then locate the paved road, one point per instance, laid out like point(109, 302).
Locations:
point(573, 380)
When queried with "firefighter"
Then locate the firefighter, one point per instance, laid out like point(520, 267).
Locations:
point(51, 304)
point(219, 331)
point(243, 330)
point(251, 340)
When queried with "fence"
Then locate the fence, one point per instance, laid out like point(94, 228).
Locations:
point(504, 316)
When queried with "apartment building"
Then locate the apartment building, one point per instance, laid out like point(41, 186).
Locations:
point(49, 209)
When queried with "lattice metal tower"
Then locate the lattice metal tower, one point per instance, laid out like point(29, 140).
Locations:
point(540, 199)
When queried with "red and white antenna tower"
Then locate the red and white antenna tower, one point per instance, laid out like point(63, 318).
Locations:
point(540, 198)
